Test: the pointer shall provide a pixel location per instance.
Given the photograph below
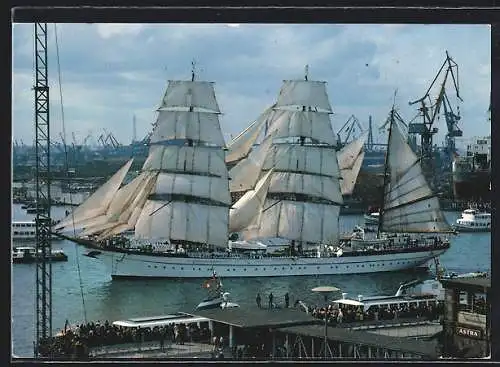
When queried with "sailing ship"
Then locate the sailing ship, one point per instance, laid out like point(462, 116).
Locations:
point(179, 206)
point(410, 210)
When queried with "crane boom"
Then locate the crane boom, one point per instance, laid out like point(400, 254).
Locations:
point(430, 110)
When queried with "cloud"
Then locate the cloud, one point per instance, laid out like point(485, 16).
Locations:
point(115, 29)
point(112, 71)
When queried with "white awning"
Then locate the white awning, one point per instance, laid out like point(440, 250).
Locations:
point(349, 302)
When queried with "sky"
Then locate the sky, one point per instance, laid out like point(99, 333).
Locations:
point(109, 72)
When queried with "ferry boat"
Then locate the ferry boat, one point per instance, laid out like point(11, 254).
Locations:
point(185, 225)
point(474, 220)
point(25, 230)
point(414, 293)
point(27, 255)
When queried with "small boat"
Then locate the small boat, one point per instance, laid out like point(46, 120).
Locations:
point(34, 210)
point(26, 255)
point(473, 220)
point(216, 296)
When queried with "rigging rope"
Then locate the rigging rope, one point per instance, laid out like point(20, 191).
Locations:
point(67, 171)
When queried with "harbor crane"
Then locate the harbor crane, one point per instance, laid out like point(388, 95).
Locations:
point(42, 184)
point(430, 110)
point(349, 128)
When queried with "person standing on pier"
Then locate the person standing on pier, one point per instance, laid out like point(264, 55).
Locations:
point(258, 300)
point(287, 300)
point(270, 300)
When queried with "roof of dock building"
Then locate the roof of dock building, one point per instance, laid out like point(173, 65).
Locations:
point(403, 345)
point(257, 317)
point(293, 321)
point(468, 282)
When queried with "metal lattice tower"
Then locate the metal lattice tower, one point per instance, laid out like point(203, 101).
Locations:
point(42, 181)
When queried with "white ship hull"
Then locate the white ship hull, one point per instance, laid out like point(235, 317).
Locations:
point(126, 265)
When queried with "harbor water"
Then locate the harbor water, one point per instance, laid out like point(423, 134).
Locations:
point(92, 295)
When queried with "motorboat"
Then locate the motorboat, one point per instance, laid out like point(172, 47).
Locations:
point(216, 296)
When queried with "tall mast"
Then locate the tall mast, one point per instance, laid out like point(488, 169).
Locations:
point(386, 166)
point(306, 74)
point(193, 68)
point(191, 108)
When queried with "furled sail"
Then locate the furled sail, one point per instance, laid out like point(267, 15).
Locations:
point(97, 203)
point(241, 146)
point(189, 200)
point(247, 208)
point(303, 200)
point(409, 204)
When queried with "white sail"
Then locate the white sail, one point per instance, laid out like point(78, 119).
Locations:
point(247, 208)
point(296, 220)
point(122, 200)
point(207, 187)
point(303, 199)
point(303, 159)
point(309, 124)
point(174, 220)
point(246, 173)
point(140, 198)
point(97, 203)
point(298, 93)
point(189, 199)
point(409, 204)
point(89, 222)
point(97, 228)
point(350, 175)
point(349, 153)
point(241, 146)
point(198, 126)
point(195, 159)
point(314, 186)
point(198, 94)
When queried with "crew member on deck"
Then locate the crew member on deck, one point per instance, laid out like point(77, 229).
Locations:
point(287, 300)
point(258, 300)
point(271, 300)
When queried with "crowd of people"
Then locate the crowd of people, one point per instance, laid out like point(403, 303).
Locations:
point(339, 314)
point(77, 342)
